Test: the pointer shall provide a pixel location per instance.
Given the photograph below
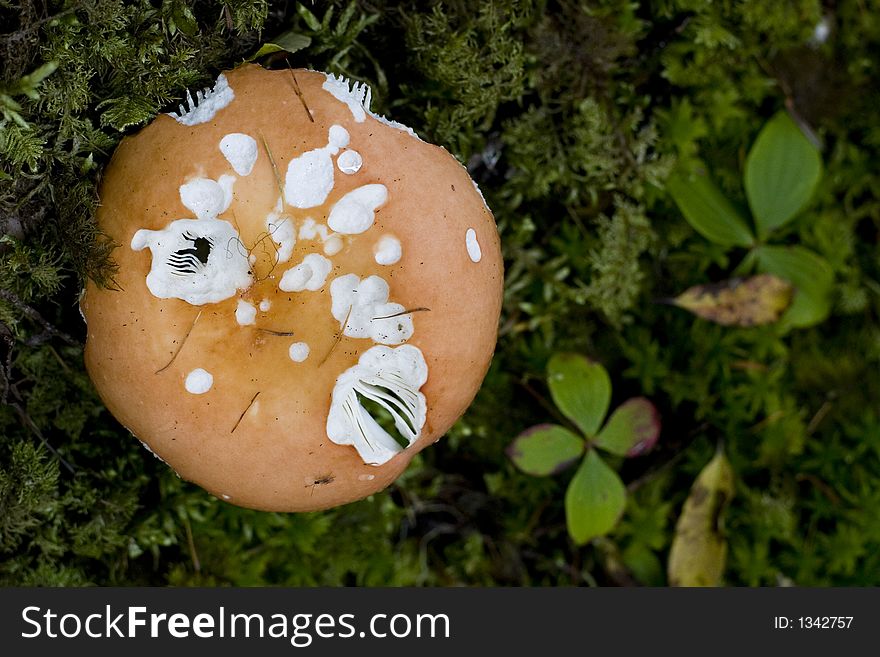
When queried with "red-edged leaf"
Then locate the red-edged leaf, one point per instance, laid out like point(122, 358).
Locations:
point(632, 429)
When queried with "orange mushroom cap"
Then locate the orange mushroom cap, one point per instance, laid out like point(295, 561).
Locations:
point(289, 263)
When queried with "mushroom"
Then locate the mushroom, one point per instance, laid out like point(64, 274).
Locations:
point(308, 293)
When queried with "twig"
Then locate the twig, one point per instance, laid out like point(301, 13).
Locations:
point(240, 417)
point(6, 370)
point(192, 545)
point(824, 409)
point(39, 434)
point(299, 93)
point(402, 312)
point(180, 346)
point(823, 488)
point(272, 162)
point(32, 314)
point(339, 335)
point(283, 334)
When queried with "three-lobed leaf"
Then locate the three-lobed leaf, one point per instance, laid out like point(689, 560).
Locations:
point(632, 429)
point(581, 389)
point(594, 501)
point(707, 210)
point(810, 274)
point(782, 171)
point(545, 449)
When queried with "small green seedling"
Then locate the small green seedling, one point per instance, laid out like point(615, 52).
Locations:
point(596, 496)
point(783, 169)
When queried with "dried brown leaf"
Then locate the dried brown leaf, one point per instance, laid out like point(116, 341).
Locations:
point(749, 301)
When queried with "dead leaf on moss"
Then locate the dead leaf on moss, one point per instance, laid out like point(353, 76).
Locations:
point(699, 550)
point(739, 301)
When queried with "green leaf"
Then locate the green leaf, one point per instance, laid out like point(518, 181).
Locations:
point(594, 501)
point(699, 551)
point(288, 42)
point(632, 429)
point(707, 209)
point(782, 171)
point(184, 19)
point(545, 449)
point(811, 276)
point(581, 390)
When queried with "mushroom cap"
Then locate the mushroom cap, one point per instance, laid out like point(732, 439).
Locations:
point(231, 380)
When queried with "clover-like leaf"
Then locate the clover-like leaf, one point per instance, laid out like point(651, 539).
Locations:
point(749, 301)
point(545, 449)
point(707, 210)
point(594, 501)
point(699, 551)
point(782, 171)
point(811, 276)
point(581, 389)
point(632, 429)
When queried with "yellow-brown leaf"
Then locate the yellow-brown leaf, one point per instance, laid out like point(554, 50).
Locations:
point(699, 551)
point(739, 301)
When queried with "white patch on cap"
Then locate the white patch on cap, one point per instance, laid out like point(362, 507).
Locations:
point(240, 150)
point(310, 274)
point(79, 305)
point(473, 246)
point(333, 245)
point(283, 233)
point(358, 97)
point(354, 212)
point(196, 260)
point(397, 125)
point(388, 377)
point(206, 103)
point(362, 309)
point(366, 477)
point(265, 304)
point(199, 381)
point(149, 449)
point(309, 178)
point(480, 192)
point(298, 352)
point(207, 198)
point(337, 137)
point(245, 313)
point(387, 250)
point(349, 162)
point(311, 230)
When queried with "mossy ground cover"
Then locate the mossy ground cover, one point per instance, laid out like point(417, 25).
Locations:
point(571, 116)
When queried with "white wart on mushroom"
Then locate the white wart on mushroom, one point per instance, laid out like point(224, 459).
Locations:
point(202, 260)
